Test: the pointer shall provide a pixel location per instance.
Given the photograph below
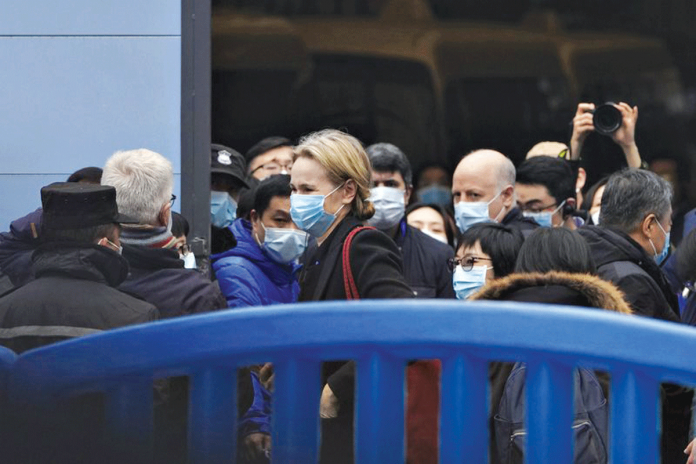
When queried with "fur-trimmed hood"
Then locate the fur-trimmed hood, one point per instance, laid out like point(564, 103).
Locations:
point(597, 292)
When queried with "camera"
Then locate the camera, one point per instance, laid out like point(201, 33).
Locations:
point(607, 119)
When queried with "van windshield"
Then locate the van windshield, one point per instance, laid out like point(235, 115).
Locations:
point(509, 114)
point(377, 100)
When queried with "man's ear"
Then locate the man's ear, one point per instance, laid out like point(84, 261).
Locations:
point(253, 216)
point(508, 196)
point(164, 215)
point(407, 194)
point(648, 225)
point(350, 189)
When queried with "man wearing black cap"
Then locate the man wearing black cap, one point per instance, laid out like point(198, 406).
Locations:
point(77, 267)
point(227, 179)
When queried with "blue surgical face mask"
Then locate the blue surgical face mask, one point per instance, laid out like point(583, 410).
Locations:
point(466, 214)
point(284, 245)
point(307, 212)
point(544, 218)
point(437, 194)
point(223, 209)
point(467, 282)
point(595, 217)
point(389, 207)
point(660, 258)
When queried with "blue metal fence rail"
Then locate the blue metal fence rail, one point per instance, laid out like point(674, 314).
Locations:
point(382, 336)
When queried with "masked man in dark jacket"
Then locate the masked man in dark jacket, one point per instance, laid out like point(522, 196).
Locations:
point(77, 267)
point(425, 258)
point(628, 248)
point(143, 180)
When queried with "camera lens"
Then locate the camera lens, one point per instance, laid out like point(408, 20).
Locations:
point(607, 119)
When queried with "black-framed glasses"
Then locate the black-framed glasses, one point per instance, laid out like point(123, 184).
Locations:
point(172, 200)
point(274, 167)
point(467, 264)
point(535, 208)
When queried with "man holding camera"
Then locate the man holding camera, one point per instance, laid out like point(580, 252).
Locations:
point(624, 135)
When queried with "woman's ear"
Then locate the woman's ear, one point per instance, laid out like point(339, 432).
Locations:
point(350, 189)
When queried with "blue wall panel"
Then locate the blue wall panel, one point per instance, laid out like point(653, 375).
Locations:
point(73, 101)
point(90, 17)
point(21, 194)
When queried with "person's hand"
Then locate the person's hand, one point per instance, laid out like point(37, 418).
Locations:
point(257, 446)
point(625, 136)
point(267, 376)
point(582, 127)
point(328, 407)
point(691, 451)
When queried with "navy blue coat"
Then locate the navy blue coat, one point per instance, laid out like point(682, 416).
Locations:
point(157, 275)
point(17, 246)
point(248, 277)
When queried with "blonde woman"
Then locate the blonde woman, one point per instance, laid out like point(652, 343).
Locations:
point(330, 185)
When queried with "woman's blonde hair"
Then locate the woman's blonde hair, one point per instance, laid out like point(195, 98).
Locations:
point(344, 158)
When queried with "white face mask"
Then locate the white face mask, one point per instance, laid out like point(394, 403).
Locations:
point(466, 214)
point(189, 260)
point(544, 218)
point(466, 283)
point(389, 207)
point(595, 217)
point(283, 245)
point(437, 237)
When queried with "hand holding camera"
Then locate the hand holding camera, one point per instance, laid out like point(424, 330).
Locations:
point(617, 121)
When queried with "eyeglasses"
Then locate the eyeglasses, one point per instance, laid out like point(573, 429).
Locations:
point(467, 264)
point(535, 208)
point(172, 200)
point(274, 167)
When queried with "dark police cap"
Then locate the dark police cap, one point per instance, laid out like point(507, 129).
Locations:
point(224, 160)
point(70, 205)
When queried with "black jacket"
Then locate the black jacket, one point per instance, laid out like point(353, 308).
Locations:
point(425, 263)
point(158, 276)
point(621, 260)
point(517, 220)
point(378, 272)
point(17, 246)
point(553, 288)
point(73, 295)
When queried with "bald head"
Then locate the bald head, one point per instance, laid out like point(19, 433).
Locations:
point(485, 176)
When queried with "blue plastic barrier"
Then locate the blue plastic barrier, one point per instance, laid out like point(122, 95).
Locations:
point(381, 335)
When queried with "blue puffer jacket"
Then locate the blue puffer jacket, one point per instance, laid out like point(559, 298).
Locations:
point(247, 277)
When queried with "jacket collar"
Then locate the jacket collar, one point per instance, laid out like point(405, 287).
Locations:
point(597, 292)
point(332, 252)
point(152, 259)
point(249, 249)
point(80, 261)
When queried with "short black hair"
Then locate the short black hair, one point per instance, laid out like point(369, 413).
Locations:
point(500, 242)
point(83, 235)
point(686, 258)
point(385, 157)
point(180, 226)
point(267, 144)
point(277, 185)
point(553, 173)
point(555, 249)
point(591, 192)
point(90, 174)
point(450, 226)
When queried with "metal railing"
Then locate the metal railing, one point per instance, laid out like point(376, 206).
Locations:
point(381, 336)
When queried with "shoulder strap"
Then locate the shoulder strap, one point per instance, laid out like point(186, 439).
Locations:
point(348, 280)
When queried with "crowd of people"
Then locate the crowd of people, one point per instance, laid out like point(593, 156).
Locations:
point(327, 218)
